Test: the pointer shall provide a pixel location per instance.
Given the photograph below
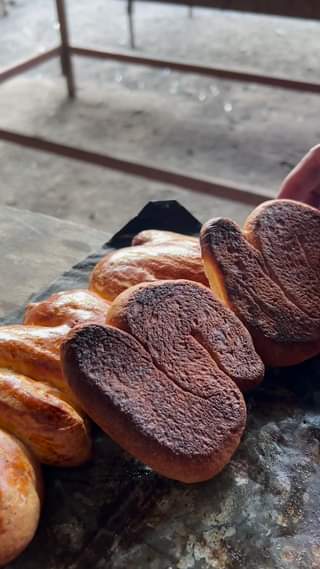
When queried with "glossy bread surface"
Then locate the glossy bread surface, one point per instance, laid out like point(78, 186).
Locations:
point(69, 307)
point(20, 497)
point(36, 414)
point(121, 269)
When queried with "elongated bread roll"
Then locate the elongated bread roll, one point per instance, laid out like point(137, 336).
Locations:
point(33, 351)
point(67, 307)
point(269, 275)
point(37, 414)
point(161, 381)
point(121, 269)
point(20, 497)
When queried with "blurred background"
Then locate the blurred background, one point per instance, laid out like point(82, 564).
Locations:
point(242, 132)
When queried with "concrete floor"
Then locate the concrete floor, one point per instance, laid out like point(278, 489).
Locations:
point(245, 133)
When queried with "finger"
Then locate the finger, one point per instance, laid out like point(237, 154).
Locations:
point(303, 183)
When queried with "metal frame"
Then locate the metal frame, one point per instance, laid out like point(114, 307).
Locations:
point(65, 51)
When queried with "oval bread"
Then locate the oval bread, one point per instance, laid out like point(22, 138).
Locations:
point(20, 497)
point(69, 307)
point(36, 414)
point(161, 381)
point(269, 275)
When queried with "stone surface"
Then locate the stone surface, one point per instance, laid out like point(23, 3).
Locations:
point(36, 249)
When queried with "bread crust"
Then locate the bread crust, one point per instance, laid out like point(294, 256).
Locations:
point(33, 351)
point(277, 301)
point(36, 414)
point(156, 380)
point(20, 497)
point(121, 269)
point(69, 307)
point(159, 236)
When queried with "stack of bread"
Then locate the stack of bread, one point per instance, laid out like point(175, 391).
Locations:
point(161, 369)
point(40, 422)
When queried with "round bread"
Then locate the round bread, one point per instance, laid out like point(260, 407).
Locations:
point(161, 380)
point(20, 497)
point(269, 276)
point(67, 307)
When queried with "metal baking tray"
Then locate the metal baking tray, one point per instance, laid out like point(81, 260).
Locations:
point(261, 512)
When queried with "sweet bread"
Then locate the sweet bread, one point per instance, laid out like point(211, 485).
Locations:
point(162, 378)
point(34, 351)
point(38, 415)
point(38, 408)
point(269, 275)
point(69, 307)
point(159, 236)
point(156, 260)
point(20, 497)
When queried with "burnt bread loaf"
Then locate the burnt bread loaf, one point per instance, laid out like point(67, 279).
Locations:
point(155, 259)
point(269, 275)
point(69, 307)
point(20, 497)
point(287, 233)
point(161, 378)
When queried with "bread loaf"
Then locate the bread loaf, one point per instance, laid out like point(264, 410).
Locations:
point(33, 351)
point(20, 497)
point(36, 405)
point(161, 380)
point(67, 307)
point(37, 414)
point(158, 236)
point(158, 260)
point(269, 275)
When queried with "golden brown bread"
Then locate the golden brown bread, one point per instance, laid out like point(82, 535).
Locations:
point(44, 417)
point(161, 379)
point(121, 269)
point(269, 275)
point(68, 307)
point(33, 351)
point(20, 497)
point(37, 414)
point(159, 236)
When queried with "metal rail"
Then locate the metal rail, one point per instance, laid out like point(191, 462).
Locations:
point(28, 64)
point(213, 186)
point(230, 74)
point(65, 51)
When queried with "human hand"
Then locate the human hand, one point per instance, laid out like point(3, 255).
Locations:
point(303, 183)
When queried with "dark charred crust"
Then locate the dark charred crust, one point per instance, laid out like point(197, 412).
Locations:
point(157, 390)
point(271, 273)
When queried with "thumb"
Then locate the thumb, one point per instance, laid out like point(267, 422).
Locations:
point(303, 183)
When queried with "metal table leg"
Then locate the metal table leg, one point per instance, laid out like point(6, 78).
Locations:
point(131, 23)
point(65, 54)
